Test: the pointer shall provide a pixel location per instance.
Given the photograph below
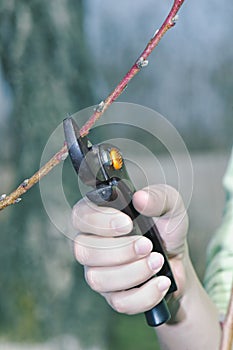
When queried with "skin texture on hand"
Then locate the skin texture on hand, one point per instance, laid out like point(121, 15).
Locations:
point(115, 263)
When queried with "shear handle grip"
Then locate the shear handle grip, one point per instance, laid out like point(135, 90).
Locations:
point(119, 196)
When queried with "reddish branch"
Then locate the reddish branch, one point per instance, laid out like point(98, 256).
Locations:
point(15, 196)
point(141, 62)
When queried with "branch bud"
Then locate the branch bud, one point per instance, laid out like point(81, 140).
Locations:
point(175, 19)
point(25, 183)
point(17, 200)
point(141, 63)
point(2, 197)
point(100, 107)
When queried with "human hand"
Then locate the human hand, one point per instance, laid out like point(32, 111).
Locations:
point(115, 263)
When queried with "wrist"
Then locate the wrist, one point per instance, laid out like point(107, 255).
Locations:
point(186, 279)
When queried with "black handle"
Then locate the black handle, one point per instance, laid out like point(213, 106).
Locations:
point(158, 315)
point(118, 195)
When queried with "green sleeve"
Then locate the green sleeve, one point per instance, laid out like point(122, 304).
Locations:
point(219, 273)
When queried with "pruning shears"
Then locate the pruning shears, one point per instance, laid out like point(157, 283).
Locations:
point(102, 167)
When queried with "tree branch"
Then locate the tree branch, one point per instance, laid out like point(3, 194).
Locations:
point(141, 62)
point(15, 196)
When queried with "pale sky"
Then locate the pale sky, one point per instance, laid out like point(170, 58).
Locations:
point(183, 65)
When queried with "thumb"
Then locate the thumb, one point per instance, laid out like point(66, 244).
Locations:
point(158, 200)
point(165, 202)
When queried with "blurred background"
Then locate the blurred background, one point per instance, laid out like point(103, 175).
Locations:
point(58, 57)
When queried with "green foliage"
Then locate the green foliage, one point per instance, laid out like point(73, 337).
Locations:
point(45, 62)
point(132, 333)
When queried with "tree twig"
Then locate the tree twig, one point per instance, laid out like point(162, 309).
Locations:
point(138, 65)
point(141, 62)
point(227, 330)
point(15, 196)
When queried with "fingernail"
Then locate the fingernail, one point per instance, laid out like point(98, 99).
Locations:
point(163, 283)
point(155, 261)
point(143, 246)
point(123, 224)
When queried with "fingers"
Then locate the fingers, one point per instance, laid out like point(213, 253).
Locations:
point(87, 217)
point(155, 201)
point(158, 201)
point(98, 251)
point(141, 299)
point(116, 264)
point(121, 277)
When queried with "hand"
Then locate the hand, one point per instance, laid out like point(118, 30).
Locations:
point(115, 263)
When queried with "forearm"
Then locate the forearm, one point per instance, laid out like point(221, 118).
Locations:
point(196, 324)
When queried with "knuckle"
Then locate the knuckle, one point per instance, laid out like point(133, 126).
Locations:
point(92, 279)
point(174, 194)
point(117, 303)
point(75, 216)
point(79, 214)
point(171, 189)
point(154, 295)
point(150, 303)
point(81, 254)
